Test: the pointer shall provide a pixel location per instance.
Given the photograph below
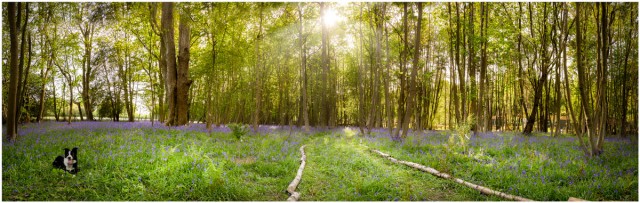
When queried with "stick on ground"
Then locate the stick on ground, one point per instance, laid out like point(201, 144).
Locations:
point(435, 172)
point(294, 184)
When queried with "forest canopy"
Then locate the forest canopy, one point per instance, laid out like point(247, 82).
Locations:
point(547, 67)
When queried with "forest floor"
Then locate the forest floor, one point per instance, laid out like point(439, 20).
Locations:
point(137, 161)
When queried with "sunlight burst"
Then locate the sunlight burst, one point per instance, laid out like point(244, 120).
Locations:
point(331, 17)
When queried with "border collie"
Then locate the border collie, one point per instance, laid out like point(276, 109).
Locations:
point(69, 162)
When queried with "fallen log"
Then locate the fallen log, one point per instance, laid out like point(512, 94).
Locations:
point(573, 199)
point(294, 196)
point(437, 173)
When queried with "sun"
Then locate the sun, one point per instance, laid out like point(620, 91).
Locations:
point(331, 17)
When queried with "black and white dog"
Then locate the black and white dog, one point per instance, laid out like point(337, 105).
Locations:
point(69, 162)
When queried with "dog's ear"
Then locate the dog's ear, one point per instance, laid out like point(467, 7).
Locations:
point(74, 151)
point(66, 151)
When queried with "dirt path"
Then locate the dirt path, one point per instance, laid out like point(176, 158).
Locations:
point(342, 169)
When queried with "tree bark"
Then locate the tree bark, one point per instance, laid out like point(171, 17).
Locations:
point(414, 72)
point(19, 98)
point(586, 113)
point(162, 63)
point(326, 87)
point(541, 81)
point(258, 75)
point(303, 71)
point(183, 81)
point(21, 88)
point(437, 173)
point(12, 131)
point(87, 73)
point(170, 57)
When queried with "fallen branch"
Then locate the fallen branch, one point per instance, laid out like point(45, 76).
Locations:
point(294, 184)
point(435, 172)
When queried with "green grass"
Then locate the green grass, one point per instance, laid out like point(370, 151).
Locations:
point(341, 168)
point(539, 167)
point(144, 163)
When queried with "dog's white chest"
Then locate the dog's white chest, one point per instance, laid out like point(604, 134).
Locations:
point(67, 165)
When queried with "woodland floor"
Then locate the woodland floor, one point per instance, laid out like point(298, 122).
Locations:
point(137, 161)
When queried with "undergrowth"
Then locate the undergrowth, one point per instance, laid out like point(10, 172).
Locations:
point(535, 167)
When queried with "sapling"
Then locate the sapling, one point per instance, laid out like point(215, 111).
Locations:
point(462, 133)
point(238, 130)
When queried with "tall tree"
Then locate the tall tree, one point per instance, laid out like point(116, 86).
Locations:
point(539, 82)
point(170, 57)
point(303, 71)
point(414, 72)
point(183, 81)
point(12, 131)
point(258, 72)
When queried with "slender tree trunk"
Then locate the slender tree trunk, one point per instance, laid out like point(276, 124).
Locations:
point(541, 81)
point(482, 122)
point(414, 72)
point(582, 84)
point(403, 73)
point(303, 69)
point(461, 70)
point(12, 131)
point(24, 81)
point(473, 97)
point(326, 87)
point(625, 78)
point(602, 104)
point(55, 103)
point(21, 65)
point(44, 73)
point(87, 33)
point(80, 111)
point(258, 74)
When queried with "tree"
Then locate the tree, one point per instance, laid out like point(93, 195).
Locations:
point(258, 71)
point(303, 71)
point(414, 72)
point(177, 76)
point(12, 131)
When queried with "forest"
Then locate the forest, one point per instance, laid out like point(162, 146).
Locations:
point(470, 89)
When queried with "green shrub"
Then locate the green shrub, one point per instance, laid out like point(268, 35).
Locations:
point(238, 130)
point(461, 134)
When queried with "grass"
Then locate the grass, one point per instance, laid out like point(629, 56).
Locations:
point(135, 161)
point(149, 164)
point(536, 167)
point(341, 168)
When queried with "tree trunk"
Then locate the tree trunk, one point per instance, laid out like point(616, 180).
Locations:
point(24, 82)
point(45, 75)
point(541, 81)
point(482, 121)
point(585, 112)
point(402, 99)
point(183, 81)
point(326, 87)
point(80, 110)
point(303, 69)
point(625, 91)
point(19, 98)
point(55, 103)
point(414, 72)
point(170, 57)
point(461, 70)
point(162, 63)
point(601, 103)
point(87, 34)
point(12, 131)
point(258, 75)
